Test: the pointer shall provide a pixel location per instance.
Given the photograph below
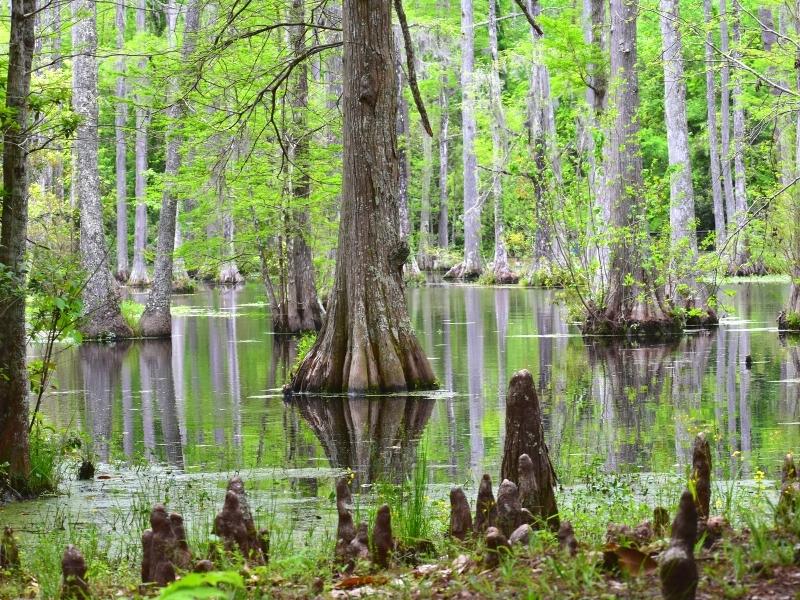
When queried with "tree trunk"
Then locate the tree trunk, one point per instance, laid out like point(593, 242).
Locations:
point(547, 169)
point(13, 235)
point(472, 208)
point(228, 271)
point(713, 140)
point(156, 320)
point(683, 238)
point(725, 117)
point(139, 276)
point(181, 282)
point(444, 124)
point(309, 310)
point(794, 252)
point(626, 304)
point(367, 342)
point(120, 121)
point(502, 273)
point(101, 313)
point(742, 255)
point(424, 259)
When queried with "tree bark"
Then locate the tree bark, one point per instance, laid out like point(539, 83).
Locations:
point(472, 208)
point(444, 125)
point(625, 302)
point(101, 313)
point(120, 121)
point(725, 116)
point(713, 140)
point(542, 136)
point(794, 253)
point(139, 276)
point(367, 342)
point(156, 320)
point(502, 273)
point(13, 234)
point(308, 308)
point(683, 237)
point(742, 255)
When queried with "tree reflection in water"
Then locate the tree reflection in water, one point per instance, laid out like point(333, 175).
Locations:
point(376, 437)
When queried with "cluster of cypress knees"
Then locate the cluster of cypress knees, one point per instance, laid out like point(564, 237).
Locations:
point(525, 501)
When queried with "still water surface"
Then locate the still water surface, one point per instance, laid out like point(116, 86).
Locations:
point(209, 402)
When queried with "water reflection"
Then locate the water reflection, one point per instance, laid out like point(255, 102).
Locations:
point(375, 437)
point(211, 399)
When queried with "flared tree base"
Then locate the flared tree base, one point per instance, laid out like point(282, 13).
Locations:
point(460, 272)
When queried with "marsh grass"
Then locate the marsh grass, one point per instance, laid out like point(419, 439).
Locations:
point(132, 312)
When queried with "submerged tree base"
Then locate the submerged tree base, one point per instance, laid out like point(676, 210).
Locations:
point(789, 321)
point(655, 328)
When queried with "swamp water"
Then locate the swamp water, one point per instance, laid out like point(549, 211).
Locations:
point(171, 421)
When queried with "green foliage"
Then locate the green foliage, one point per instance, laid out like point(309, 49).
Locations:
point(218, 585)
point(793, 321)
point(304, 345)
point(132, 311)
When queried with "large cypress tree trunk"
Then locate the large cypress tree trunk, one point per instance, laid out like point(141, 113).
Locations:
point(139, 276)
point(308, 311)
point(120, 121)
point(502, 273)
point(16, 138)
point(367, 342)
point(626, 300)
point(156, 320)
point(713, 140)
point(683, 238)
point(102, 317)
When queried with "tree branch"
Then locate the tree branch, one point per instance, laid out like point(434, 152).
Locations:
point(412, 73)
point(531, 21)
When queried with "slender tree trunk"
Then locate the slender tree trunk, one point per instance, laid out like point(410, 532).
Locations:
point(13, 234)
point(228, 271)
point(547, 168)
point(713, 141)
point(594, 20)
point(742, 255)
point(725, 117)
point(794, 251)
point(472, 209)
point(502, 273)
point(367, 342)
point(139, 276)
point(102, 317)
point(181, 282)
point(120, 122)
point(444, 125)
point(683, 237)
point(156, 320)
point(404, 155)
point(309, 310)
point(424, 259)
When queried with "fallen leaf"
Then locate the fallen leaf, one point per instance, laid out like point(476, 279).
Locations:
point(631, 560)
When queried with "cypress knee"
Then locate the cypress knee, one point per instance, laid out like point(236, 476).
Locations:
point(677, 568)
point(382, 536)
point(496, 544)
point(701, 475)
point(74, 585)
point(485, 508)
point(460, 517)
point(525, 436)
